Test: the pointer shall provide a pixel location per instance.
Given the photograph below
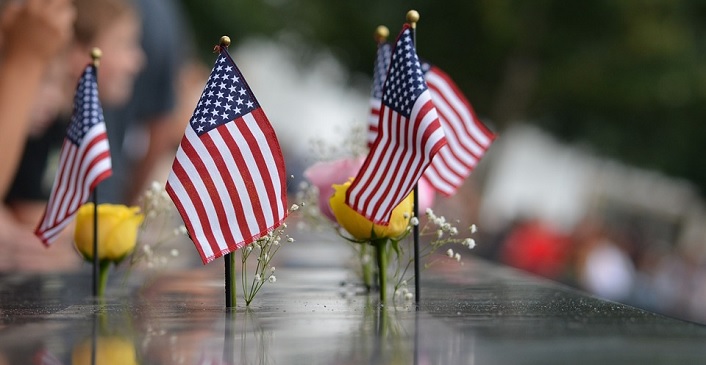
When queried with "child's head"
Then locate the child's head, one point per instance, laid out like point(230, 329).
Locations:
point(114, 27)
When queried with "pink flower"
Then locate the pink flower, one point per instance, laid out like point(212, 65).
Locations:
point(324, 174)
point(426, 195)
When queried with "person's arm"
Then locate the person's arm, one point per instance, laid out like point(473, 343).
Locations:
point(33, 32)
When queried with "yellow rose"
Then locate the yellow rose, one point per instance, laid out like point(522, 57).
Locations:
point(117, 231)
point(109, 350)
point(359, 226)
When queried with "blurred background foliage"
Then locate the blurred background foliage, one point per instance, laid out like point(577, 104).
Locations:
point(627, 78)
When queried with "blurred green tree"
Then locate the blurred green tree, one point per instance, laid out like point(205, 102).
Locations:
point(627, 77)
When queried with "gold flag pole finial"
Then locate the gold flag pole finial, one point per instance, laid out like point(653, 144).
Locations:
point(381, 33)
point(96, 55)
point(412, 18)
point(225, 41)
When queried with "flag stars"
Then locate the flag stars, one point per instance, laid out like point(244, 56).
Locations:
point(404, 81)
point(222, 99)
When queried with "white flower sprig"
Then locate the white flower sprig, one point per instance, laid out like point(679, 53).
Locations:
point(265, 250)
point(442, 233)
point(157, 228)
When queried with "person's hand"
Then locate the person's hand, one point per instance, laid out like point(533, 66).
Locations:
point(36, 29)
point(22, 251)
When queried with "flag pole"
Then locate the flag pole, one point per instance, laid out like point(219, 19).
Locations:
point(229, 258)
point(412, 19)
point(96, 55)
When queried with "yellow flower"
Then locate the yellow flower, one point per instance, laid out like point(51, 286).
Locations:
point(117, 231)
point(359, 226)
point(109, 350)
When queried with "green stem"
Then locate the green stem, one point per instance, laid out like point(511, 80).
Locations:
point(381, 255)
point(231, 283)
point(366, 266)
point(103, 278)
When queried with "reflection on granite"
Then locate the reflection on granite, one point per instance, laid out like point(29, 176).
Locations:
point(478, 313)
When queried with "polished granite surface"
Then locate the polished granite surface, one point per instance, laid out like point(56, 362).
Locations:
point(478, 313)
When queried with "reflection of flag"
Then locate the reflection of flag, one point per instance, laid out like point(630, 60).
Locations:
point(44, 357)
point(409, 136)
point(467, 137)
point(84, 160)
point(227, 179)
point(382, 63)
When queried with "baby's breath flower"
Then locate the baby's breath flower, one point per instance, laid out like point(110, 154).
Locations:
point(272, 269)
point(409, 296)
point(414, 221)
point(473, 228)
point(272, 279)
point(453, 231)
point(450, 253)
point(174, 252)
point(290, 239)
point(257, 277)
point(469, 242)
point(439, 234)
point(294, 207)
point(405, 215)
point(457, 257)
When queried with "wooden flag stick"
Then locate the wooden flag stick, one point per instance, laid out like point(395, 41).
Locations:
point(96, 55)
point(412, 19)
point(230, 282)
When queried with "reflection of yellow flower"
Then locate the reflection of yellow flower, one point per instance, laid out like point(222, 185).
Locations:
point(359, 226)
point(109, 350)
point(117, 231)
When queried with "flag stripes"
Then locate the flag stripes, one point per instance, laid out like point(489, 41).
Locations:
point(84, 160)
point(227, 179)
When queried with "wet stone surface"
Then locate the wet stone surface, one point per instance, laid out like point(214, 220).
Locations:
point(478, 313)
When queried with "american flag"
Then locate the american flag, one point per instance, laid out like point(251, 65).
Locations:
point(227, 179)
point(409, 135)
point(382, 63)
point(84, 160)
point(468, 138)
point(44, 357)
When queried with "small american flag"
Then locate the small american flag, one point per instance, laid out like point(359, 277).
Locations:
point(382, 63)
point(84, 160)
point(409, 135)
point(227, 179)
point(467, 137)
point(44, 357)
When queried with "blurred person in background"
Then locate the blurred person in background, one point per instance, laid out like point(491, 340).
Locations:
point(32, 34)
point(148, 127)
point(114, 27)
point(532, 245)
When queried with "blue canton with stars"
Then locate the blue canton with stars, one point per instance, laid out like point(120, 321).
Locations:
point(87, 108)
point(405, 80)
point(225, 98)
